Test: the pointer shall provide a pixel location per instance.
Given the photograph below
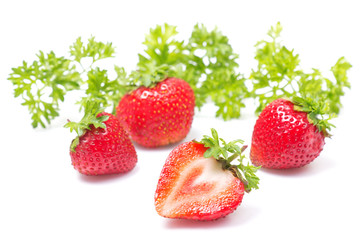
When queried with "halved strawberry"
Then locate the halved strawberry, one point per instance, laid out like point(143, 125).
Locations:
point(198, 183)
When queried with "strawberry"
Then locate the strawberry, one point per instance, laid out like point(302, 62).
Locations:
point(158, 115)
point(198, 183)
point(102, 145)
point(288, 134)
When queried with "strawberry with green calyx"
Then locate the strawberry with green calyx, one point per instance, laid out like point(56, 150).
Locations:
point(200, 180)
point(290, 134)
point(159, 111)
point(317, 112)
point(102, 146)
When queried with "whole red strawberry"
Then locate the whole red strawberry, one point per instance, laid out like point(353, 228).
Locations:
point(198, 183)
point(159, 115)
point(103, 146)
point(288, 134)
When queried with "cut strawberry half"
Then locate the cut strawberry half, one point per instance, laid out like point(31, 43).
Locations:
point(192, 186)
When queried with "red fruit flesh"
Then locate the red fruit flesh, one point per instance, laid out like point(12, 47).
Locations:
point(193, 187)
point(160, 115)
point(284, 138)
point(104, 151)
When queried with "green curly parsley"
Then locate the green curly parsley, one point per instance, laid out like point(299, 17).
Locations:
point(206, 61)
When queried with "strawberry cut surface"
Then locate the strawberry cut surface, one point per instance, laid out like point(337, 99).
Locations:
point(193, 187)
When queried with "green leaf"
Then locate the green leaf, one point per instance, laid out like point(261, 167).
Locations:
point(329, 90)
point(162, 54)
point(220, 150)
point(93, 49)
point(250, 176)
point(43, 85)
point(318, 111)
point(278, 75)
point(92, 109)
point(277, 70)
point(213, 64)
point(148, 74)
point(108, 92)
point(207, 62)
point(161, 47)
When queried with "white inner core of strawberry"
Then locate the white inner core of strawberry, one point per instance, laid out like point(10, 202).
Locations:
point(200, 181)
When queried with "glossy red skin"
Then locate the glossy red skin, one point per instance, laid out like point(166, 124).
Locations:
point(160, 115)
point(211, 208)
point(283, 138)
point(104, 151)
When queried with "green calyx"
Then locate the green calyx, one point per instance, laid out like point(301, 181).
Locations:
point(92, 109)
point(227, 154)
point(148, 75)
point(318, 112)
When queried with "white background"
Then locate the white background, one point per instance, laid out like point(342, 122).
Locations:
point(43, 197)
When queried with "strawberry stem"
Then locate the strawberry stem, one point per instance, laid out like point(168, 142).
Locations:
point(232, 157)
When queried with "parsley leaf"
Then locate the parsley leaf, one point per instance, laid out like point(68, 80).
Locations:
point(161, 56)
point(94, 50)
point(43, 84)
point(207, 62)
point(161, 47)
point(278, 75)
point(213, 59)
point(107, 92)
